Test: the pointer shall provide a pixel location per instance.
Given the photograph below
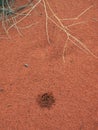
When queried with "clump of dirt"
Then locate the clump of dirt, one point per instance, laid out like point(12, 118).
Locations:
point(46, 100)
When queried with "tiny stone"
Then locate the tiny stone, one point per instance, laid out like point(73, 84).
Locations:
point(26, 65)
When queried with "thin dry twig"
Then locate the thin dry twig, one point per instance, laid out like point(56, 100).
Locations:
point(30, 10)
point(81, 14)
point(58, 23)
point(65, 29)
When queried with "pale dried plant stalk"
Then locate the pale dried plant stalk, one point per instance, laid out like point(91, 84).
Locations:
point(28, 8)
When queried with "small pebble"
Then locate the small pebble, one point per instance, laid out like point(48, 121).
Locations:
point(26, 65)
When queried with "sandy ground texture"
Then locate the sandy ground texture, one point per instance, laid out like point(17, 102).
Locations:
point(43, 86)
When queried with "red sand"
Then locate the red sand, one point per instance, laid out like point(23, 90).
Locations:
point(74, 83)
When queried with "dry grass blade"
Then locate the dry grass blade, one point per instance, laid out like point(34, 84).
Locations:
point(29, 11)
point(47, 33)
point(65, 29)
point(26, 10)
point(81, 14)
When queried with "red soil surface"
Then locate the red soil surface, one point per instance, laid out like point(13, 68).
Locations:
point(74, 84)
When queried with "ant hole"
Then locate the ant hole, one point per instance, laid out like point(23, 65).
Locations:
point(46, 100)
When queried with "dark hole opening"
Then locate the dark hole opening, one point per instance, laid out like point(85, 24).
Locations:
point(46, 100)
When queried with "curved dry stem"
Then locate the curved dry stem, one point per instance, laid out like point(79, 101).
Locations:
point(74, 24)
point(65, 29)
point(14, 21)
point(81, 14)
point(30, 10)
point(58, 22)
point(47, 33)
point(28, 26)
point(65, 49)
